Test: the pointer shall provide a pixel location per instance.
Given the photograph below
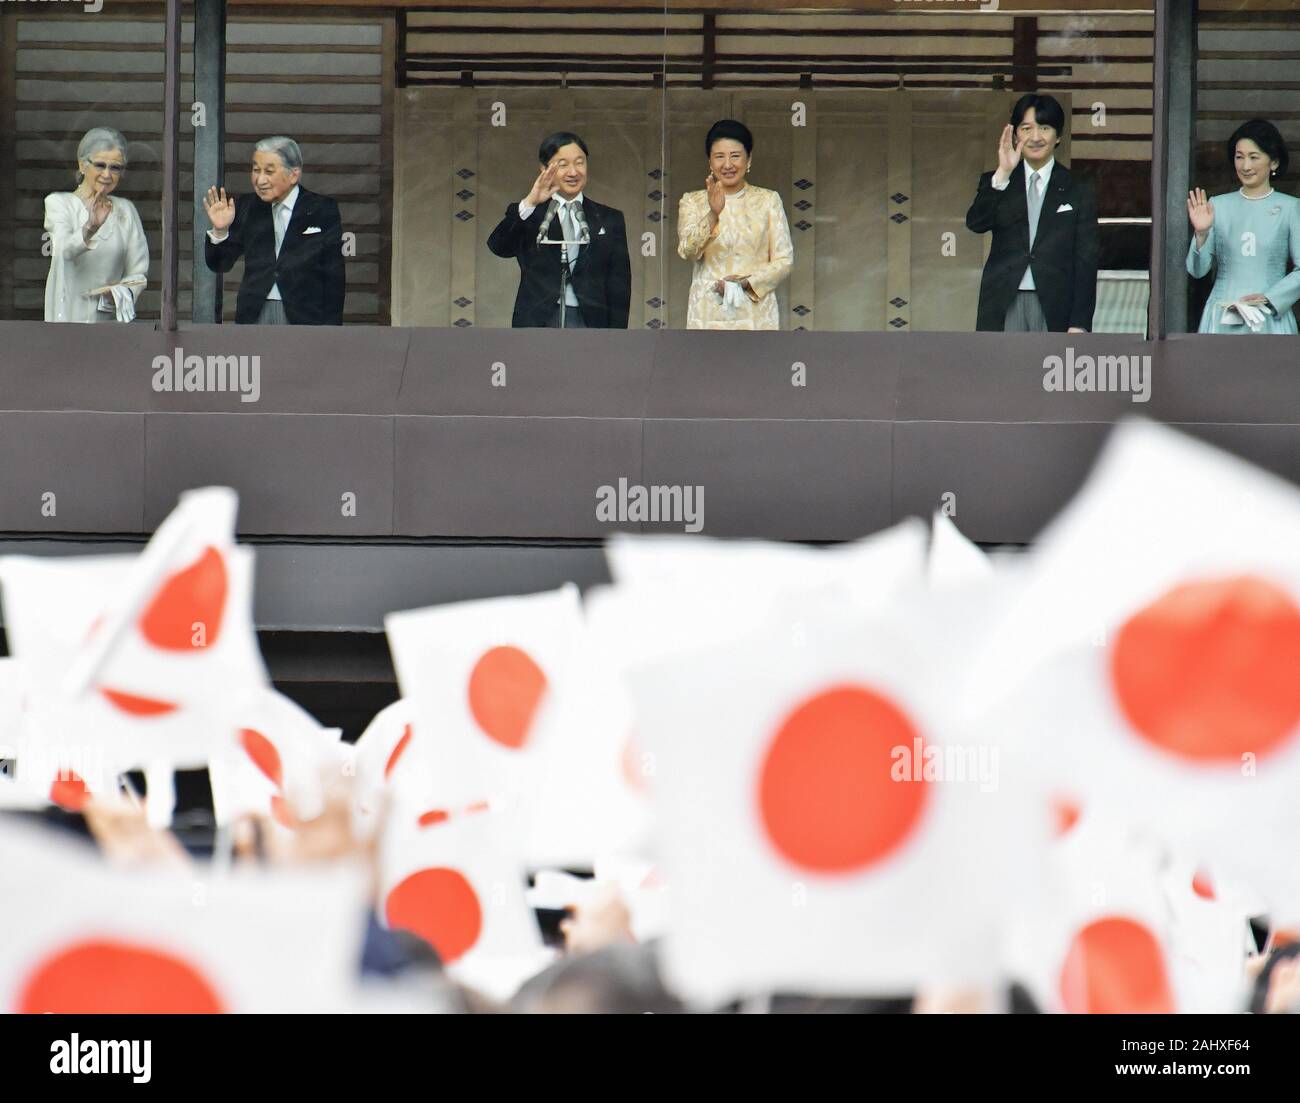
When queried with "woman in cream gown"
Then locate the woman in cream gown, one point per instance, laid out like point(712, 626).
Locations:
point(95, 241)
point(738, 238)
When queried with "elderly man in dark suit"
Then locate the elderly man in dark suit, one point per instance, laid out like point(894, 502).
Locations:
point(1042, 270)
point(566, 285)
point(291, 240)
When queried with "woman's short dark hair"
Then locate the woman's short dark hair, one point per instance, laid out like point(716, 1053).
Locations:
point(1265, 135)
point(556, 142)
point(1047, 110)
point(729, 130)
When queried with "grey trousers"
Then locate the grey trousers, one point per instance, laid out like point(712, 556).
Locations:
point(273, 314)
point(572, 318)
point(1025, 314)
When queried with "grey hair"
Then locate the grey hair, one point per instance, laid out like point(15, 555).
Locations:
point(284, 148)
point(99, 138)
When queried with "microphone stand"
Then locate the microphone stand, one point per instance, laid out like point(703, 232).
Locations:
point(584, 238)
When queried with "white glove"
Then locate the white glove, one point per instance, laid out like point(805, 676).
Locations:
point(123, 303)
point(1252, 315)
point(733, 295)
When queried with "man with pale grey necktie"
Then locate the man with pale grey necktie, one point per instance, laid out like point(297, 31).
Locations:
point(1041, 273)
point(574, 269)
point(291, 240)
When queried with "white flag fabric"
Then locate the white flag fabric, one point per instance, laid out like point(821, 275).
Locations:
point(77, 936)
point(682, 592)
point(954, 560)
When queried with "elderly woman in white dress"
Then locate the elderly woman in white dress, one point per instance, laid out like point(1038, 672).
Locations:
point(99, 259)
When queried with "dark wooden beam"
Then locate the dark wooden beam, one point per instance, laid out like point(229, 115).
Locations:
point(1173, 143)
point(1024, 53)
point(171, 252)
point(209, 147)
point(710, 58)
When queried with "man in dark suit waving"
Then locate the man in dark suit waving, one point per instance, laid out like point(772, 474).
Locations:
point(1042, 270)
point(574, 286)
point(291, 240)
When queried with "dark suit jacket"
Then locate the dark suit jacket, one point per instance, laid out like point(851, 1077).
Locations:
point(1064, 257)
point(602, 276)
point(308, 271)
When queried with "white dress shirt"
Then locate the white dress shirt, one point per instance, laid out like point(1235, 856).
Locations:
point(1044, 175)
point(281, 216)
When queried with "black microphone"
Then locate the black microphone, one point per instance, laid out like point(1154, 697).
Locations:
point(550, 217)
point(580, 217)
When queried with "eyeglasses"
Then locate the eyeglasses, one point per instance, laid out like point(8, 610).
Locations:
point(104, 166)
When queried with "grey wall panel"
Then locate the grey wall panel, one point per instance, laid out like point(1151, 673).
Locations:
point(303, 369)
point(291, 472)
point(987, 377)
point(1275, 448)
point(784, 480)
point(92, 464)
point(1203, 378)
point(1007, 480)
point(409, 422)
point(75, 367)
point(583, 373)
point(510, 476)
point(753, 375)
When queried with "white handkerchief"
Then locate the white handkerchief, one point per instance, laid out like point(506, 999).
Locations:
point(311, 230)
point(1064, 207)
point(601, 232)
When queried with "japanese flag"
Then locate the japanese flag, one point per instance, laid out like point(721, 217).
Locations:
point(180, 635)
point(277, 762)
point(1097, 934)
point(376, 755)
point(820, 827)
point(507, 702)
point(137, 658)
point(451, 874)
point(1154, 647)
point(77, 936)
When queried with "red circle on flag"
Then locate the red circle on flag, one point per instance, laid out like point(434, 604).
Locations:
point(137, 706)
point(193, 596)
point(826, 794)
point(69, 792)
point(263, 753)
point(505, 689)
point(440, 906)
point(1115, 966)
point(1208, 671)
point(397, 751)
point(1065, 814)
point(108, 977)
point(1203, 885)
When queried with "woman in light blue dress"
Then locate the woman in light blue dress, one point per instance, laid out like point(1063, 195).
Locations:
point(1248, 236)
